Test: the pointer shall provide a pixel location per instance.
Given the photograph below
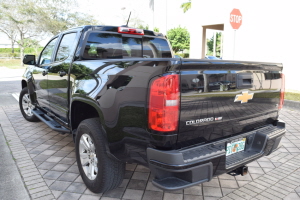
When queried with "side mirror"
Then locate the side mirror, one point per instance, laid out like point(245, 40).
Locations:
point(29, 60)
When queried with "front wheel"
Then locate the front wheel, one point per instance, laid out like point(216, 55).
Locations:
point(100, 171)
point(26, 106)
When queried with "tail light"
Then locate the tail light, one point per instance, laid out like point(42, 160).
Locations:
point(164, 103)
point(126, 30)
point(281, 101)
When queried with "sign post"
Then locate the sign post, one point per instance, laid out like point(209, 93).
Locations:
point(236, 20)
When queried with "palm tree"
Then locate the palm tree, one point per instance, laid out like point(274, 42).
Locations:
point(186, 6)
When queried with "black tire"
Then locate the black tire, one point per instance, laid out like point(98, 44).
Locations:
point(26, 111)
point(110, 170)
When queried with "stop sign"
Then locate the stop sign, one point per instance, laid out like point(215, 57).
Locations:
point(235, 18)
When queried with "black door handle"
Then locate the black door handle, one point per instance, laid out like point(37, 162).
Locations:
point(62, 73)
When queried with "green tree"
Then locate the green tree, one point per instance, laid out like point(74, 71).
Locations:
point(9, 31)
point(179, 39)
point(22, 20)
point(55, 20)
point(186, 6)
point(16, 14)
point(145, 27)
point(156, 29)
point(32, 43)
point(136, 22)
point(210, 44)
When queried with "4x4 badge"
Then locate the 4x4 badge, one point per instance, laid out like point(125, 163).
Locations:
point(244, 97)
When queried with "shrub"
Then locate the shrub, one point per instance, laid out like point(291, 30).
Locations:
point(17, 50)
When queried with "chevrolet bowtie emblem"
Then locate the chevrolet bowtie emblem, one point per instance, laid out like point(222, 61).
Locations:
point(244, 97)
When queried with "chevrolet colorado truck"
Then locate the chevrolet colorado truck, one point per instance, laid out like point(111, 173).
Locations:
point(124, 98)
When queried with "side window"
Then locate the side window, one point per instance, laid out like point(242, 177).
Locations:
point(65, 46)
point(47, 52)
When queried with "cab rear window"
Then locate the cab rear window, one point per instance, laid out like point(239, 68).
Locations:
point(156, 48)
point(115, 46)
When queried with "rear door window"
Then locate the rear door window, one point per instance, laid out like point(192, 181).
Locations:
point(65, 46)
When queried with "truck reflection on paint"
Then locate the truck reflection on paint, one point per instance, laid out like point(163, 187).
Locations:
point(229, 81)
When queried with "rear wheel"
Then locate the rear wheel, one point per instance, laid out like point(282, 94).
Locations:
point(100, 171)
point(26, 106)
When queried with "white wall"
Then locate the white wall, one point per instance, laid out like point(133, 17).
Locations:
point(268, 32)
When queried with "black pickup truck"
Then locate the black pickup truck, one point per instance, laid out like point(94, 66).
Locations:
point(124, 98)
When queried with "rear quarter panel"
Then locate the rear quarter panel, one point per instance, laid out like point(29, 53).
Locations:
point(119, 91)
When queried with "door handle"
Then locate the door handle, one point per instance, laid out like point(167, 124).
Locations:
point(44, 73)
point(62, 73)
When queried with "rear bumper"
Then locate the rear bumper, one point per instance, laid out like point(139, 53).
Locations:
point(178, 169)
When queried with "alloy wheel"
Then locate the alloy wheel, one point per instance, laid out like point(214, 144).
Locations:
point(88, 156)
point(27, 105)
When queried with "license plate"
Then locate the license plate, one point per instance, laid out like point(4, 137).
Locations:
point(235, 147)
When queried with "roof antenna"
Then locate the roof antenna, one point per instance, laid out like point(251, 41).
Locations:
point(128, 19)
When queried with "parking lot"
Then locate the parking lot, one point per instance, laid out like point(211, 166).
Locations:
point(47, 165)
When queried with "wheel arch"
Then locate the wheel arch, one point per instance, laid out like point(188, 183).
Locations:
point(81, 110)
point(23, 84)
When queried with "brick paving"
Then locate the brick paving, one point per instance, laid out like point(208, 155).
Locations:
point(47, 164)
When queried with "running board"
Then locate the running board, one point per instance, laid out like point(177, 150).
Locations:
point(49, 121)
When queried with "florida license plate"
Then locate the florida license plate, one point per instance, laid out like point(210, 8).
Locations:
point(235, 147)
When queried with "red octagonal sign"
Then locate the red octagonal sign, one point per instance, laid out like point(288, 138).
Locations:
point(235, 18)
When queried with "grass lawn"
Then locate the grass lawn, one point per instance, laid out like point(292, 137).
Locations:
point(292, 96)
point(11, 63)
point(63, 95)
point(54, 84)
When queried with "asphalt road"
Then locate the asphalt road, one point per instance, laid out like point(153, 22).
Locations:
point(10, 86)
point(7, 88)
point(10, 83)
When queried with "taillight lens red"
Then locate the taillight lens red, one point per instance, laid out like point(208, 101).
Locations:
point(164, 103)
point(281, 101)
point(127, 30)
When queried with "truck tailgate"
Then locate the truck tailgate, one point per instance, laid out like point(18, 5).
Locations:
point(224, 98)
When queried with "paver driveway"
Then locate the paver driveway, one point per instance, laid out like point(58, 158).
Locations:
point(46, 161)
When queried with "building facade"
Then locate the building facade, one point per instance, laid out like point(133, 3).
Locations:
point(268, 32)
